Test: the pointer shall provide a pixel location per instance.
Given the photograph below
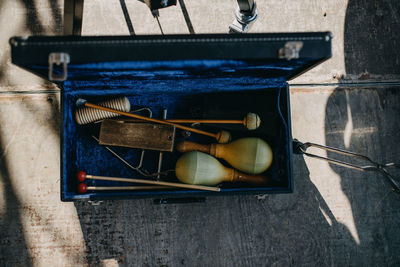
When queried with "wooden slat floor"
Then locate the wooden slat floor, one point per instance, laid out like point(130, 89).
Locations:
point(336, 216)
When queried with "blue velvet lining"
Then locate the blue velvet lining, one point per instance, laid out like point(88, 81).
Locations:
point(187, 89)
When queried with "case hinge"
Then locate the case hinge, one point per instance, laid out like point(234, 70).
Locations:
point(179, 200)
point(95, 202)
point(291, 50)
point(58, 59)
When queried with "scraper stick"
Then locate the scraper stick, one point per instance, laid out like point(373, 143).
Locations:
point(221, 137)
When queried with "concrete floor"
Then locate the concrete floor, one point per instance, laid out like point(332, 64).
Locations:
point(336, 216)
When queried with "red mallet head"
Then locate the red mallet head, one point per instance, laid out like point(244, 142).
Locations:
point(81, 175)
point(82, 188)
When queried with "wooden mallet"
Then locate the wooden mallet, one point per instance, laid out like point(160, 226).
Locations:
point(221, 137)
point(252, 121)
point(83, 188)
point(82, 176)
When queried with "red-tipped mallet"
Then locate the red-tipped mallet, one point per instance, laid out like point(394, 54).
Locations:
point(83, 188)
point(82, 176)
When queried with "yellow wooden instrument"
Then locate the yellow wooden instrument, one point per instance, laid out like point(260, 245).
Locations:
point(251, 155)
point(201, 169)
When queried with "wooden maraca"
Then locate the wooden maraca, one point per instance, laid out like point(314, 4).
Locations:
point(201, 169)
point(251, 155)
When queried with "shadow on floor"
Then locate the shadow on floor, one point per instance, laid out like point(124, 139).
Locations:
point(294, 229)
point(365, 120)
point(13, 246)
point(357, 121)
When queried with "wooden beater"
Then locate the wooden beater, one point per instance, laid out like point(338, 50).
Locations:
point(252, 121)
point(221, 137)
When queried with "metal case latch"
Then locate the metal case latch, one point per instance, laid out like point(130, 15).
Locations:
point(58, 59)
point(291, 50)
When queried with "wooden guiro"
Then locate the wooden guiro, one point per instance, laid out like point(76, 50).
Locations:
point(251, 155)
point(201, 169)
point(221, 137)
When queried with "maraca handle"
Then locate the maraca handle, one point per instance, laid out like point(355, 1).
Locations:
point(187, 146)
point(252, 179)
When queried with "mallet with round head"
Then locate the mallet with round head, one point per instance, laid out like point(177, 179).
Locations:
point(82, 176)
point(83, 188)
point(221, 137)
point(252, 121)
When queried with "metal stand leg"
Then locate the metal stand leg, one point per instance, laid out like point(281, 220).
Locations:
point(73, 14)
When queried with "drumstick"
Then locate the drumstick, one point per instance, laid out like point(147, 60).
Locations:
point(83, 188)
point(221, 137)
point(82, 176)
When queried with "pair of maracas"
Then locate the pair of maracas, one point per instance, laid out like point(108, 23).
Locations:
point(198, 166)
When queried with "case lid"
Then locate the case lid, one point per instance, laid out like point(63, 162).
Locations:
point(200, 76)
point(272, 56)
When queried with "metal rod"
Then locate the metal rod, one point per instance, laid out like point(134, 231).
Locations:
point(301, 148)
point(127, 17)
point(160, 156)
point(124, 161)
